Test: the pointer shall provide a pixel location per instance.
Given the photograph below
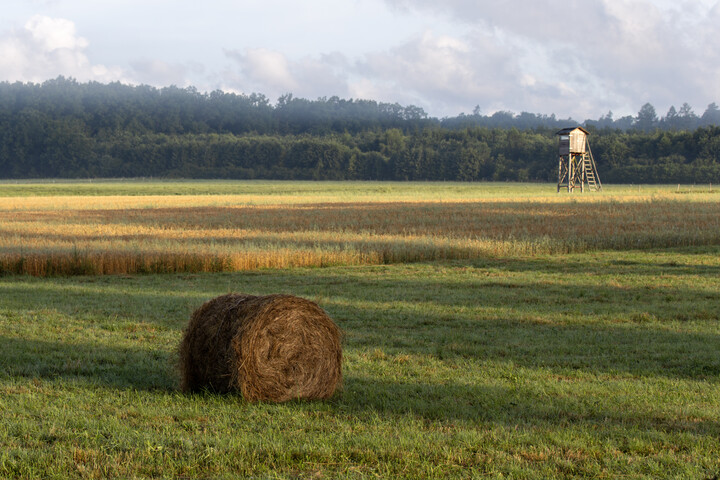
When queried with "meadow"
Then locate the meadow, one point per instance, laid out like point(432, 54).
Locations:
point(490, 330)
point(154, 228)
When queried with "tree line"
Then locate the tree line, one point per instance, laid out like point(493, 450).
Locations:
point(65, 129)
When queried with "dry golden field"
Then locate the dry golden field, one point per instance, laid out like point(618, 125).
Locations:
point(123, 234)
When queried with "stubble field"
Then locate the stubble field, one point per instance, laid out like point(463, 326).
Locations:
point(490, 329)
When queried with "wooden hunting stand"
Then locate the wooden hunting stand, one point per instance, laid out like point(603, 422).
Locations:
point(577, 165)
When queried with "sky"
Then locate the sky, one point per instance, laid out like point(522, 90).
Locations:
point(574, 58)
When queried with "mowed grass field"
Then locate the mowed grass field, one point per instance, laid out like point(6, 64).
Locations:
point(490, 330)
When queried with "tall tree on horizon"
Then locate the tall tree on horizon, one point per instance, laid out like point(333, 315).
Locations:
point(647, 119)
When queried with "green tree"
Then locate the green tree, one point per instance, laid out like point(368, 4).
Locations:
point(671, 119)
point(647, 119)
point(711, 115)
point(687, 120)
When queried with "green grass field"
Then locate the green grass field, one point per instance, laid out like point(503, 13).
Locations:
point(339, 191)
point(601, 364)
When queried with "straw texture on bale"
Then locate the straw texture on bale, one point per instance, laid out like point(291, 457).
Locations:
point(270, 348)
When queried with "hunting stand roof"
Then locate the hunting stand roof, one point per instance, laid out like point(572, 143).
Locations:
point(566, 131)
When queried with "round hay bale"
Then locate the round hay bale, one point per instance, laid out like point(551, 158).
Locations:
point(270, 348)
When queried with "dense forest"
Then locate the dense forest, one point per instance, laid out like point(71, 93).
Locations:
point(65, 129)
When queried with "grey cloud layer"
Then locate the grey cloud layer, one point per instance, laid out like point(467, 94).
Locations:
point(572, 58)
point(603, 53)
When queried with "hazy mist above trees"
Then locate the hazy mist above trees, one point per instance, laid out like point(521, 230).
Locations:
point(62, 128)
point(108, 107)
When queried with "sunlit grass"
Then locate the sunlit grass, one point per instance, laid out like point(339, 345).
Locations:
point(291, 192)
point(57, 234)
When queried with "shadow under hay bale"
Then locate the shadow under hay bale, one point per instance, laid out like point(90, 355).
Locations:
point(270, 348)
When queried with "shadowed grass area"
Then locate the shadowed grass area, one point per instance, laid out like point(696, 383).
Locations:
point(588, 365)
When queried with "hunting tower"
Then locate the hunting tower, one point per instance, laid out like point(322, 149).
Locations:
point(577, 165)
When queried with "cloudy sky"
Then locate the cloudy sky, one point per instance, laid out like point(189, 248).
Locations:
point(574, 58)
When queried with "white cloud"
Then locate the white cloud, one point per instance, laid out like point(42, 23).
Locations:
point(442, 72)
point(54, 33)
point(273, 74)
point(160, 73)
point(266, 67)
point(46, 48)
